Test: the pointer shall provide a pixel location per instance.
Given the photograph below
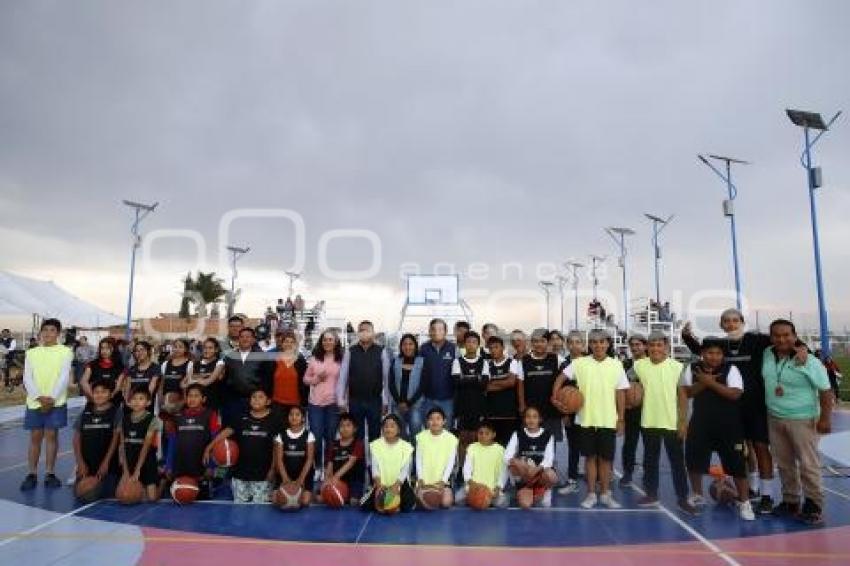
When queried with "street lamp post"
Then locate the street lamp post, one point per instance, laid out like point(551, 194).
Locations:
point(729, 211)
point(574, 266)
point(235, 255)
point(618, 234)
point(140, 211)
point(656, 230)
point(546, 286)
point(813, 121)
point(562, 282)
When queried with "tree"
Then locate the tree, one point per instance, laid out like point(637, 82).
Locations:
point(205, 289)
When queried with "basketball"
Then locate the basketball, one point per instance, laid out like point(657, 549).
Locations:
point(184, 490)
point(387, 502)
point(571, 400)
point(335, 493)
point(87, 489)
point(430, 497)
point(288, 497)
point(479, 496)
point(525, 498)
point(129, 491)
point(634, 395)
point(723, 490)
point(225, 453)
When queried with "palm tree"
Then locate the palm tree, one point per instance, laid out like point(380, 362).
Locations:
point(203, 290)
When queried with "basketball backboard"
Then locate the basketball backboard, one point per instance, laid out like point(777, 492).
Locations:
point(432, 290)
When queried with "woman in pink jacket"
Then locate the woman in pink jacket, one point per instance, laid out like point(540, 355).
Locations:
point(322, 375)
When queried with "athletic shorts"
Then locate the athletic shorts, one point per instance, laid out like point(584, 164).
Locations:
point(55, 418)
point(754, 423)
point(729, 447)
point(251, 491)
point(598, 442)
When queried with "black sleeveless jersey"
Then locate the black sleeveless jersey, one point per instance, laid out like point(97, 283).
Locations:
point(470, 390)
point(709, 407)
point(255, 437)
point(100, 373)
point(294, 452)
point(203, 369)
point(530, 448)
point(194, 432)
point(97, 428)
point(173, 376)
point(503, 403)
point(134, 439)
point(538, 380)
point(143, 377)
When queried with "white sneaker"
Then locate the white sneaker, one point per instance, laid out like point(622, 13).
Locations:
point(696, 500)
point(589, 501)
point(546, 500)
point(501, 501)
point(745, 510)
point(570, 487)
point(460, 496)
point(608, 501)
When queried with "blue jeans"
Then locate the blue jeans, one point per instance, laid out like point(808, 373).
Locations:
point(412, 420)
point(323, 422)
point(447, 405)
point(367, 413)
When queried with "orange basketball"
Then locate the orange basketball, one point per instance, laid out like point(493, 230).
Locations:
point(430, 497)
point(288, 497)
point(225, 453)
point(571, 400)
point(87, 489)
point(479, 496)
point(634, 395)
point(129, 491)
point(525, 498)
point(184, 490)
point(335, 493)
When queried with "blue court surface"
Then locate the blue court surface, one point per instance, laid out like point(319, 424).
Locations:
point(48, 527)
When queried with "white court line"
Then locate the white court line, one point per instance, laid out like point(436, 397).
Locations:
point(45, 524)
point(363, 529)
point(25, 464)
point(838, 493)
point(719, 552)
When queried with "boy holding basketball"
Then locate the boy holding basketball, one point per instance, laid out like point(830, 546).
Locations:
point(96, 436)
point(344, 458)
point(194, 427)
point(663, 420)
point(436, 453)
point(715, 386)
point(254, 433)
point(139, 434)
point(485, 465)
point(602, 381)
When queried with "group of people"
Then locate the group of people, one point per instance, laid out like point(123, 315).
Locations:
point(444, 417)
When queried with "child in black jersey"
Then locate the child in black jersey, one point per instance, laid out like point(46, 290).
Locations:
point(144, 373)
point(502, 404)
point(530, 456)
point(139, 440)
point(194, 428)
point(294, 452)
point(470, 372)
point(97, 436)
point(715, 386)
point(345, 458)
point(254, 432)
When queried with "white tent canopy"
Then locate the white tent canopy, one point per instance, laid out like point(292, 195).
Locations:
point(24, 296)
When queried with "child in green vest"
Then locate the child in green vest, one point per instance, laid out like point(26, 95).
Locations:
point(436, 453)
point(485, 465)
point(390, 466)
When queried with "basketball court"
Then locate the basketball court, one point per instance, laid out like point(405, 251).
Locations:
point(48, 527)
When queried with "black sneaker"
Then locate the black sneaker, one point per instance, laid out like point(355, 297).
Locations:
point(626, 481)
point(29, 482)
point(765, 505)
point(753, 495)
point(787, 509)
point(811, 514)
point(50, 480)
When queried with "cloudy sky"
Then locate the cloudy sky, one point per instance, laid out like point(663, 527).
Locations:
point(476, 134)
